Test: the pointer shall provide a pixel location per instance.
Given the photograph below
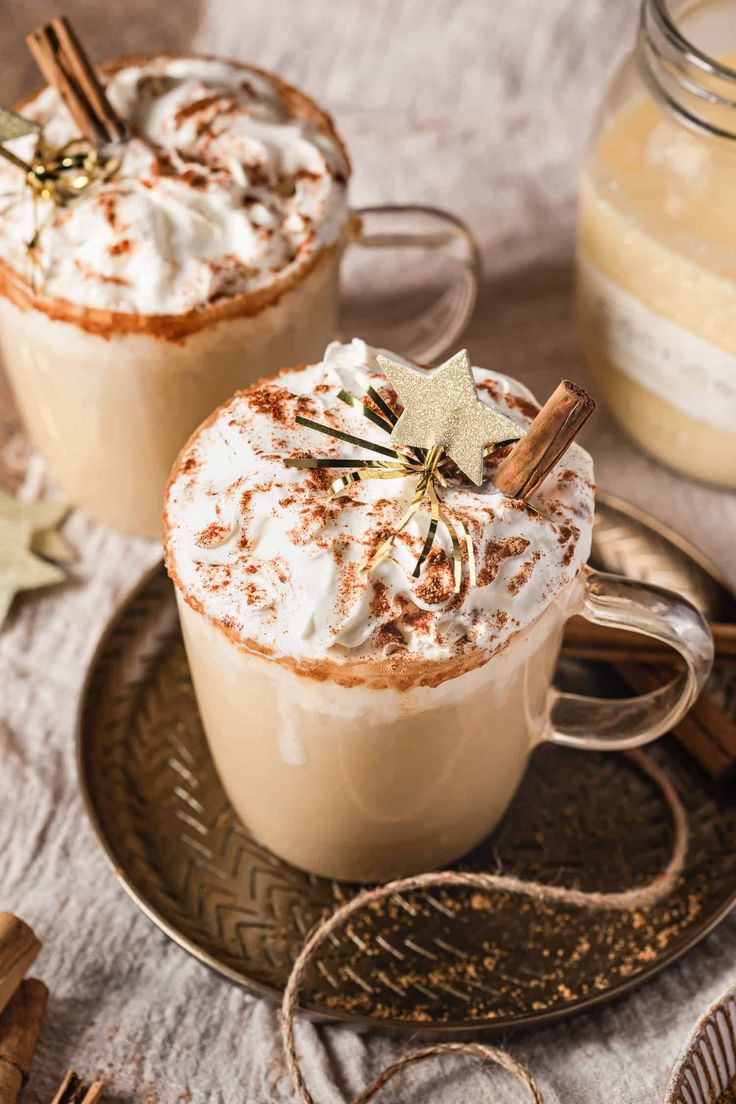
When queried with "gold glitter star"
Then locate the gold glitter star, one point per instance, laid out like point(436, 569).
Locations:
point(442, 408)
point(15, 126)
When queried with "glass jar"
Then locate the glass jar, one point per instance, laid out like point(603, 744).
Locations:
point(656, 250)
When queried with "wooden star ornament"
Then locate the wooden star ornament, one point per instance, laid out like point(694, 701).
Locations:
point(442, 408)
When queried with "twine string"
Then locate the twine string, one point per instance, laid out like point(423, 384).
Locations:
point(620, 901)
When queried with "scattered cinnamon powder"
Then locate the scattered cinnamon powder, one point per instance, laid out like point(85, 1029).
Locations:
point(414, 618)
point(223, 103)
point(380, 602)
point(194, 179)
point(490, 386)
point(212, 535)
point(495, 552)
point(125, 245)
point(525, 406)
point(522, 577)
point(229, 274)
point(273, 401)
point(108, 201)
point(437, 582)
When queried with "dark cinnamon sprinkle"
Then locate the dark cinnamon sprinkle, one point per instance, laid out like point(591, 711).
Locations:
point(380, 602)
point(108, 201)
point(437, 580)
point(212, 535)
point(525, 406)
point(522, 578)
point(495, 552)
point(223, 103)
point(125, 245)
point(490, 387)
point(194, 179)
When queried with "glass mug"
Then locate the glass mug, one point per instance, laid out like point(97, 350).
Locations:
point(656, 254)
point(366, 784)
point(109, 398)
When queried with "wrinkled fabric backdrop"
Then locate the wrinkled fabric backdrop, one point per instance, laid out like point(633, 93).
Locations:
point(476, 105)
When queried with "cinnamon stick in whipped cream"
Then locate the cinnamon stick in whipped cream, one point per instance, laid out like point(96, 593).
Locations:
point(550, 435)
point(18, 949)
point(59, 55)
point(20, 1024)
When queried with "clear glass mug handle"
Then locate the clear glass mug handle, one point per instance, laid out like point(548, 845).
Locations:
point(620, 723)
point(427, 333)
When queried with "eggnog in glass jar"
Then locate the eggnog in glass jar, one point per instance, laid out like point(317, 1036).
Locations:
point(366, 722)
point(656, 254)
point(208, 259)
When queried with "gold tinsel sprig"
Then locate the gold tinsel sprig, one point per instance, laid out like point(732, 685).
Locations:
point(58, 176)
point(440, 429)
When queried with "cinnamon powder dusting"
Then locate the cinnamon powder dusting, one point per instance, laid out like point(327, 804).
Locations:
point(496, 551)
point(408, 621)
point(212, 535)
point(522, 577)
point(437, 582)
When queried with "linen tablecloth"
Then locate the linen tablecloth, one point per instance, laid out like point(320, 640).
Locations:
point(476, 105)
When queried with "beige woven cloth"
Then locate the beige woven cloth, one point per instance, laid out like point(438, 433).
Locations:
point(476, 105)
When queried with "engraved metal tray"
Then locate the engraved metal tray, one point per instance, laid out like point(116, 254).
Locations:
point(436, 963)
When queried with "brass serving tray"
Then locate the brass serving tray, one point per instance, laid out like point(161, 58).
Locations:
point(440, 963)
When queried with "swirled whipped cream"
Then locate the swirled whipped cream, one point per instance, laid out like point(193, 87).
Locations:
point(265, 551)
point(225, 187)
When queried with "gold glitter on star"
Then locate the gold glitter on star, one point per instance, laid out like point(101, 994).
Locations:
point(442, 408)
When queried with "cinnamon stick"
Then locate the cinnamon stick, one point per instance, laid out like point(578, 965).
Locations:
point(706, 732)
point(20, 1024)
point(550, 435)
point(18, 949)
point(72, 1090)
point(59, 55)
point(584, 640)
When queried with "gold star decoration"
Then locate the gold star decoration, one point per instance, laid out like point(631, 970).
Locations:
point(28, 531)
point(442, 409)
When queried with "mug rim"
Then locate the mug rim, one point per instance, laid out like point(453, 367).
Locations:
point(168, 326)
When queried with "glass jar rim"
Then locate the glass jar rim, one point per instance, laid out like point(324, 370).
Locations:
point(680, 40)
point(695, 87)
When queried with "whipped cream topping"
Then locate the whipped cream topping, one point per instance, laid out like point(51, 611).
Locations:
point(270, 556)
point(224, 188)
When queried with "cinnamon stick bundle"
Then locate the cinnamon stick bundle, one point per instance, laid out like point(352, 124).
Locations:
point(18, 949)
point(550, 435)
point(706, 732)
point(584, 640)
point(20, 1024)
point(59, 55)
point(73, 1091)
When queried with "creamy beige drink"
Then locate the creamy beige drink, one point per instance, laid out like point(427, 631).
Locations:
point(363, 724)
point(209, 259)
point(371, 781)
point(656, 284)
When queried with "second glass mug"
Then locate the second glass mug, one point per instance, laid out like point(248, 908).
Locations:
point(109, 398)
point(367, 784)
